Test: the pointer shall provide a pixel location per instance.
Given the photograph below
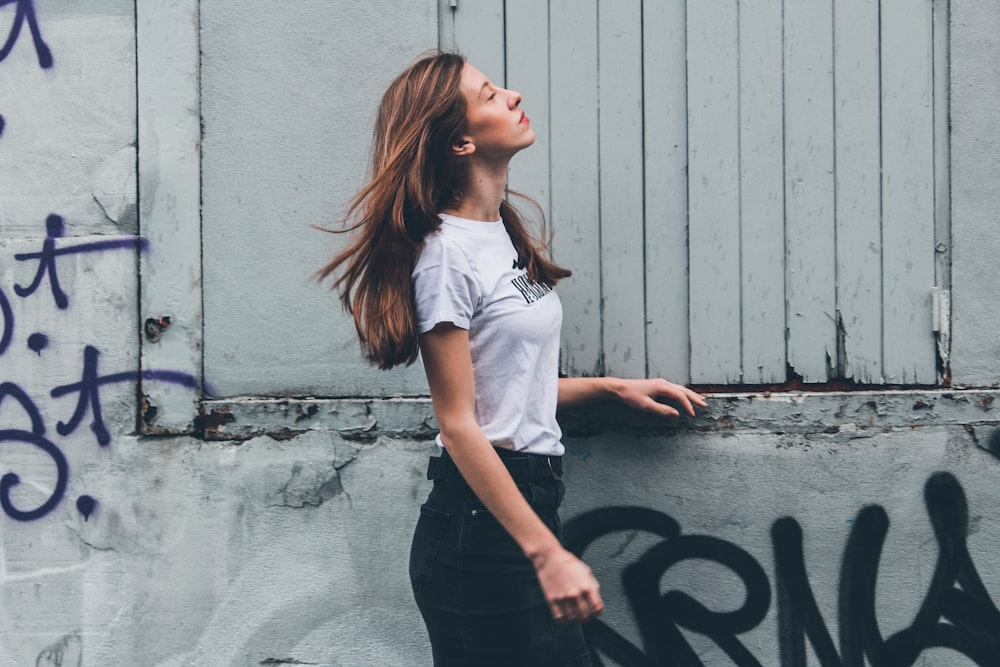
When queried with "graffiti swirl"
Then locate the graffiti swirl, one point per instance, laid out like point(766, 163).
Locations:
point(35, 437)
point(11, 479)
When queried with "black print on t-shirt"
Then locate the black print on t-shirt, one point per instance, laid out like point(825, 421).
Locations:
point(531, 292)
point(518, 264)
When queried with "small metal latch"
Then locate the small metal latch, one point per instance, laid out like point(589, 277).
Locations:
point(941, 310)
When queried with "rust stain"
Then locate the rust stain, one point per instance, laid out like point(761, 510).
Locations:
point(148, 412)
point(308, 413)
point(216, 420)
point(154, 327)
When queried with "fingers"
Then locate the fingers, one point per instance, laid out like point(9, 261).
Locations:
point(648, 391)
point(686, 397)
point(650, 404)
point(580, 609)
point(570, 587)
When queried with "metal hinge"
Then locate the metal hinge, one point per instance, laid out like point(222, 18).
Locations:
point(453, 4)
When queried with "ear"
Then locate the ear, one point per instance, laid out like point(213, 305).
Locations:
point(463, 147)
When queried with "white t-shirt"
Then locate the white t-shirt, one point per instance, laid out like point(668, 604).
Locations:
point(466, 273)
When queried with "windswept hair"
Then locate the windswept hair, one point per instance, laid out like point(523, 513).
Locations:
point(414, 175)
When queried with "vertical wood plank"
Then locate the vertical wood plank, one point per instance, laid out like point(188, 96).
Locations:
point(762, 212)
point(942, 151)
point(665, 135)
point(809, 191)
point(575, 196)
point(169, 205)
point(621, 169)
point(479, 36)
point(907, 190)
point(528, 72)
point(858, 185)
point(446, 25)
point(714, 190)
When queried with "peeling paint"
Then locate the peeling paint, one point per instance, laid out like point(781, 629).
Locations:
point(147, 410)
point(214, 420)
point(284, 434)
point(306, 413)
point(154, 327)
point(803, 413)
point(310, 486)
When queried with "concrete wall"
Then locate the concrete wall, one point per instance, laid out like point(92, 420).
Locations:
point(784, 529)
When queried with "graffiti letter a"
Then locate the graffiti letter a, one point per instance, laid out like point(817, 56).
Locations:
point(26, 12)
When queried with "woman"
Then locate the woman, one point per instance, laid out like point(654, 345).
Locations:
point(441, 262)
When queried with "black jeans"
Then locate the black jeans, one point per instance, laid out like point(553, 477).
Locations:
point(477, 591)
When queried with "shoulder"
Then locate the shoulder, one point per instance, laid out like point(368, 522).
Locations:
point(441, 247)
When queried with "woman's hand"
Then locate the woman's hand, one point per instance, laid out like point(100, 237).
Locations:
point(642, 395)
point(569, 586)
point(637, 394)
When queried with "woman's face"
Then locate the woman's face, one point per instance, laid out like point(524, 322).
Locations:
point(497, 127)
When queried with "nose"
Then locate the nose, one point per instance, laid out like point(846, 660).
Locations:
point(515, 98)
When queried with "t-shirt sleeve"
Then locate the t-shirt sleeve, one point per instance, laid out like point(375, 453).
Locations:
point(444, 287)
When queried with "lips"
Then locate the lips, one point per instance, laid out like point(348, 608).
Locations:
point(524, 118)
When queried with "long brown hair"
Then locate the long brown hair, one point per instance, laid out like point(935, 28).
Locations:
point(414, 176)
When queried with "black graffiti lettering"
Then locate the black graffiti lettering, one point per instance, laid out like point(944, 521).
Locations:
point(798, 613)
point(661, 617)
point(957, 611)
point(584, 529)
point(531, 292)
point(974, 628)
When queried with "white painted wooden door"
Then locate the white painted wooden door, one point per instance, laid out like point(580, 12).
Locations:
point(748, 191)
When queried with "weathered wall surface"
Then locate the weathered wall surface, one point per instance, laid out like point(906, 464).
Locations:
point(975, 170)
point(236, 553)
point(784, 529)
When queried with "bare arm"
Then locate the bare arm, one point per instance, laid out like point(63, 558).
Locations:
point(637, 394)
point(569, 586)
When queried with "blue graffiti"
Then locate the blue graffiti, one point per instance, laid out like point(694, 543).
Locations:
point(38, 342)
point(26, 12)
point(55, 227)
point(36, 437)
point(87, 390)
point(86, 506)
point(8, 323)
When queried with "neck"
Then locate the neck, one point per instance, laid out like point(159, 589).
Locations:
point(483, 189)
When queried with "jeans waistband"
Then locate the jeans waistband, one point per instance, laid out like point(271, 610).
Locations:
point(524, 468)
